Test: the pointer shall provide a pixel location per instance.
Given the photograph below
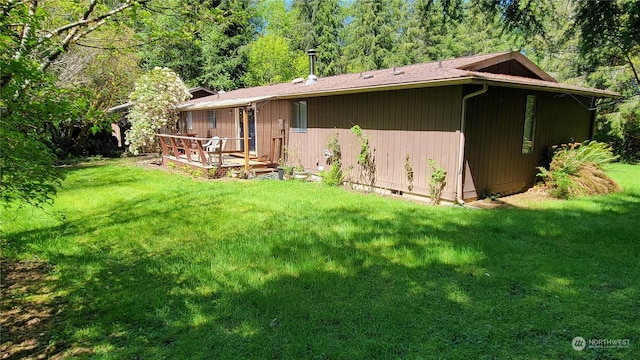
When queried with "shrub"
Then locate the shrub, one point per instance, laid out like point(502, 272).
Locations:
point(576, 169)
point(437, 181)
point(334, 176)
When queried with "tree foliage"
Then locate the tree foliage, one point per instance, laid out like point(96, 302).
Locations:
point(270, 60)
point(369, 35)
point(155, 101)
point(31, 104)
point(319, 25)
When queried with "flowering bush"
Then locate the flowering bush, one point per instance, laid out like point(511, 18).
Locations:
point(155, 100)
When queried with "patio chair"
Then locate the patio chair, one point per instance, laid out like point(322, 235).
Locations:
point(213, 147)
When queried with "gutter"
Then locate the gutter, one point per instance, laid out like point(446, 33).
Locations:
point(463, 117)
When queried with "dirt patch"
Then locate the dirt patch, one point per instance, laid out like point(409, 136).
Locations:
point(525, 200)
point(28, 311)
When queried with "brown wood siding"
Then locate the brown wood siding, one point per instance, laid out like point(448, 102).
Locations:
point(226, 125)
point(423, 123)
point(268, 115)
point(495, 126)
point(511, 67)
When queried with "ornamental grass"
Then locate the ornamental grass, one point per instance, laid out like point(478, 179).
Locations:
point(576, 169)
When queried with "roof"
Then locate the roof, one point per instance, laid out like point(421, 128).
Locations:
point(464, 70)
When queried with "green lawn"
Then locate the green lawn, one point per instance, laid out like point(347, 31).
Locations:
point(153, 265)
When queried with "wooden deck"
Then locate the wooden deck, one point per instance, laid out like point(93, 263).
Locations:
point(189, 151)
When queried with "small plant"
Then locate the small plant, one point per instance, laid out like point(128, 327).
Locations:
point(409, 169)
point(172, 166)
point(366, 158)
point(437, 181)
point(292, 157)
point(334, 176)
point(576, 169)
point(196, 173)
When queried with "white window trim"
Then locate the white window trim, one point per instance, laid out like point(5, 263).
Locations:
point(528, 150)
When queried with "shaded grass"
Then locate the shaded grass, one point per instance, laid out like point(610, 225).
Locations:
point(155, 265)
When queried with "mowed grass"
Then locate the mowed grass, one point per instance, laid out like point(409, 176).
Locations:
point(153, 265)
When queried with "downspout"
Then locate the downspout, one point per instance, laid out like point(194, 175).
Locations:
point(463, 117)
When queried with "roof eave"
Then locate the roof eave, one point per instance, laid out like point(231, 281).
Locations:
point(225, 104)
point(401, 86)
point(556, 88)
point(513, 55)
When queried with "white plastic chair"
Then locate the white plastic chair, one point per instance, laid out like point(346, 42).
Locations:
point(214, 146)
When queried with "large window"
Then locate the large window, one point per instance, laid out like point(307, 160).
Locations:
point(529, 125)
point(189, 120)
point(212, 119)
point(299, 118)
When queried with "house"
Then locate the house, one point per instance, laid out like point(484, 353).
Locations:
point(488, 120)
point(119, 128)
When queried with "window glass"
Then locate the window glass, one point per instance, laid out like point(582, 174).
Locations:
point(299, 118)
point(529, 125)
point(189, 120)
point(212, 119)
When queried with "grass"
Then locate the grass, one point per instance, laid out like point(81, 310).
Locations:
point(155, 265)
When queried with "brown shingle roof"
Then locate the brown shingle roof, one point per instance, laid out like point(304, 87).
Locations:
point(448, 72)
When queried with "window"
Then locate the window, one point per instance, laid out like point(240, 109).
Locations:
point(529, 125)
point(189, 120)
point(299, 118)
point(212, 119)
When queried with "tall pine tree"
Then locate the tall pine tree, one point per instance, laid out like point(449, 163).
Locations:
point(369, 35)
point(319, 26)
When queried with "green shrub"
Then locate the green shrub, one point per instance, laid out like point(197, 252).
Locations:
point(576, 169)
point(334, 176)
point(437, 181)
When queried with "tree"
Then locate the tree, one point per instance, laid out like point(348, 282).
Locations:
point(270, 60)
point(319, 26)
point(155, 101)
point(610, 33)
point(101, 76)
point(30, 103)
point(369, 35)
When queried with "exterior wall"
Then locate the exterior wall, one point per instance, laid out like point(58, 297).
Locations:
point(423, 123)
point(269, 117)
point(268, 126)
point(494, 132)
point(225, 123)
point(511, 67)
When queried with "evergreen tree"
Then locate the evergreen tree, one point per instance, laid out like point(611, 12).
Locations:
point(319, 26)
point(204, 41)
point(369, 35)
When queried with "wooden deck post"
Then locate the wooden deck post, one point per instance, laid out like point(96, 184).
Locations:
point(245, 126)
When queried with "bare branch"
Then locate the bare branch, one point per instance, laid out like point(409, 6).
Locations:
point(74, 34)
point(86, 20)
point(26, 30)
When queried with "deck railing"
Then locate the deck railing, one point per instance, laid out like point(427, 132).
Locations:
point(191, 149)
